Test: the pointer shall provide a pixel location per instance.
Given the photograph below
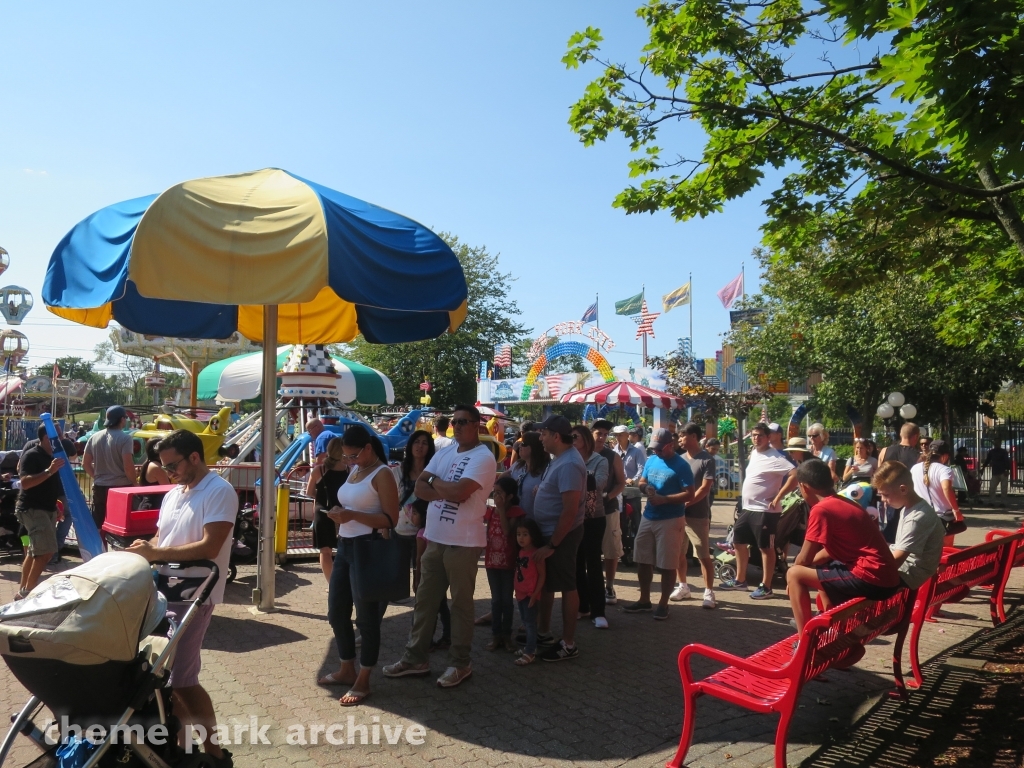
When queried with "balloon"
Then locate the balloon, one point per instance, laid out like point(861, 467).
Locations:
point(908, 411)
point(885, 411)
point(896, 399)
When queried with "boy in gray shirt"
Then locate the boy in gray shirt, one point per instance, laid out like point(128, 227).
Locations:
point(919, 534)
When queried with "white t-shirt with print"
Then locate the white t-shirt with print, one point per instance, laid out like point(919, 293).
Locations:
point(185, 511)
point(451, 522)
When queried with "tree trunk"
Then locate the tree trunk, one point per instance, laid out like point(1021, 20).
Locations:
point(1004, 207)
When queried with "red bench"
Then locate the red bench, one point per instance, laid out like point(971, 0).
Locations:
point(1017, 562)
point(958, 573)
point(771, 680)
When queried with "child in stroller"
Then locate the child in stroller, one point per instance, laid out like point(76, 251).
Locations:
point(93, 644)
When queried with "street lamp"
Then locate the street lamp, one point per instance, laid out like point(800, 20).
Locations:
point(888, 409)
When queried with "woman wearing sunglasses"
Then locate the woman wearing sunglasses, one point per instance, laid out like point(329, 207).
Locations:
point(368, 500)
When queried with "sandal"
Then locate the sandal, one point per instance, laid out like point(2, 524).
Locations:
point(334, 679)
point(525, 658)
point(358, 697)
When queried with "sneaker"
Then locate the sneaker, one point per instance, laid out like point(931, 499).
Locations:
point(637, 607)
point(680, 593)
point(733, 584)
point(453, 676)
point(601, 622)
point(21, 595)
point(762, 593)
point(401, 669)
point(609, 597)
point(661, 613)
point(709, 599)
point(560, 652)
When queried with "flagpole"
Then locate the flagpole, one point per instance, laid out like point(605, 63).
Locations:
point(691, 315)
point(597, 298)
point(743, 279)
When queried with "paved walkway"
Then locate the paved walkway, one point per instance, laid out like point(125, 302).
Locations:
point(618, 704)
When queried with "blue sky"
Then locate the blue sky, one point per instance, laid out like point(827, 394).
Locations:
point(453, 113)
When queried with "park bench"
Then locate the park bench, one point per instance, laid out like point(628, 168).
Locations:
point(771, 679)
point(1017, 562)
point(959, 571)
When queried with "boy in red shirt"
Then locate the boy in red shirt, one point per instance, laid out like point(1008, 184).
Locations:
point(844, 554)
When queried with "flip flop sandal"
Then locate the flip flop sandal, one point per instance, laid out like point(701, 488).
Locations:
point(525, 658)
point(333, 679)
point(358, 696)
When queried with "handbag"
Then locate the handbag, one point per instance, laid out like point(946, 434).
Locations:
point(380, 568)
point(953, 527)
point(594, 505)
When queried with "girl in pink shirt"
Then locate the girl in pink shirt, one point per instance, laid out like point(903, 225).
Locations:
point(499, 557)
point(529, 581)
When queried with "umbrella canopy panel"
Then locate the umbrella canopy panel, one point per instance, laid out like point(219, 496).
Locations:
point(203, 258)
point(624, 392)
point(239, 378)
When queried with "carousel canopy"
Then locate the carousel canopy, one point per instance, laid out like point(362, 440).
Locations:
point(624, 392)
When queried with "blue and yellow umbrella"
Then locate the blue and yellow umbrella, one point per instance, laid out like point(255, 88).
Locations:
point(268, 254)
point(202, 259)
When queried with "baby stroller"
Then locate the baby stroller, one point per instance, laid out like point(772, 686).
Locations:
point(630, 521)
point(94, 645)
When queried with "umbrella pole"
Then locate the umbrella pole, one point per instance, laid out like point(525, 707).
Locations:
point(263, 595)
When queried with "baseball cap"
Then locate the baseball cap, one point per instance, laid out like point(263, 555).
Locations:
point(557, 424)
point(774, 427)
point(621, 429)
point(114, 415)
point(660, 438)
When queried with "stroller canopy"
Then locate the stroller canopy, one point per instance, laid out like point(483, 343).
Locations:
point(91, 614)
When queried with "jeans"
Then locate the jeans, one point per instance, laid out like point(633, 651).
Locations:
point(503, 601)
point(589, 568)
point(339, 612)
point(529, 617)
point(443, 566)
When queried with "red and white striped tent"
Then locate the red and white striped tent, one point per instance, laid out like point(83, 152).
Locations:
point(624, 392)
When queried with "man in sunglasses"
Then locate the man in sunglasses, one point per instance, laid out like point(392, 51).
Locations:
point(456, 482)
point(196, 520)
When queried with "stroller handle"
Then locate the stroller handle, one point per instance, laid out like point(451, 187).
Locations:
point(209, 582)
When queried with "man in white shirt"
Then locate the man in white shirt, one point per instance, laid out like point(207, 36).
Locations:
point(456, 482)
point(441, 439)
point(769, 477)
point(195, 523)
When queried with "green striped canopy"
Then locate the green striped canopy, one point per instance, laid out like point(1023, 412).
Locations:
point(238, 378)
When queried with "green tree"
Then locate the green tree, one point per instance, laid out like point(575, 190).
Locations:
point(866, 342)
point(934, 117)
point(450, 361)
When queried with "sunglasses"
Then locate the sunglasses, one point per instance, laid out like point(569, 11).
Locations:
point(462, 422)
point(816, 434)
point(353, 456)
point(171, 469)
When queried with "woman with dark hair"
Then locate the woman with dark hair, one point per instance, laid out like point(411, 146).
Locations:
point(528, 471)
point(325, 479)
point(368, 500)
point(151, 472)
point(418, 452)
point(589, 568)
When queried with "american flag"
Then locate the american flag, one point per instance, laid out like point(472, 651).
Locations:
point(554, 386)
point(645, 321)
point(503, 356)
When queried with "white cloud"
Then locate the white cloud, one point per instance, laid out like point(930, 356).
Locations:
point(32, 172)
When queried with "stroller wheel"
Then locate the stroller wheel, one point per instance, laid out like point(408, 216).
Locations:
point(725, 571)
point(232, 572)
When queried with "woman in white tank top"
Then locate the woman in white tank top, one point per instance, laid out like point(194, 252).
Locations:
point(368, 500)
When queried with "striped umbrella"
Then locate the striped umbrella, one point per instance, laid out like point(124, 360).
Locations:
point(240, 378)
point(622, 392)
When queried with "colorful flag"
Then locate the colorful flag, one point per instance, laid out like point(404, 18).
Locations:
point(503, 356)
point(630, 306)
point(676, 298)
point(590, 316)
point(645, 322)
point(56, 373)
point(732, 291)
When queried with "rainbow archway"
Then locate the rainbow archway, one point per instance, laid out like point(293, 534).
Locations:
point(566, 349)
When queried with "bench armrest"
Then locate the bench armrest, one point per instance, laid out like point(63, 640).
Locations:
point(997, 534)
point(734, 661)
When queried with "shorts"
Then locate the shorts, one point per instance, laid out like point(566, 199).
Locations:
point(611, 545)
point(756, 528)
point(187, 663)
point(325, 531)
point(560, 568)
point(841, 585)
point(698, 531)
point(657, 542)
point(41, 528)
